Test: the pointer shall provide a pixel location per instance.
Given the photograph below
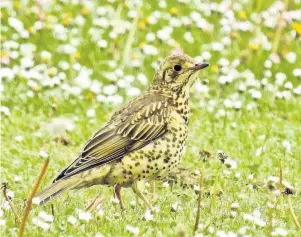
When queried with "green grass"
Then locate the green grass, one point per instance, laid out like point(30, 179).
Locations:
point(271, 122)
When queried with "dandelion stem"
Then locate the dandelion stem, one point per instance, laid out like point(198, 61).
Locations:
point(279, 28)
point(153, 190)
point(32, 194)
point(280, 187)
point(258, 5)
point(213, 199)
point(199, 202)
point(270, 226)
point(295, 219)
point(11, 204)
point(41, 13)
point(130, 40)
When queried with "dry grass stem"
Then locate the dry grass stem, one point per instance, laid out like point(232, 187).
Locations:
point(11, 204)
point(92, 206)
point(32, 194)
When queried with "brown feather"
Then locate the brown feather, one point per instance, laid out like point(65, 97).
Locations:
point(144, 123)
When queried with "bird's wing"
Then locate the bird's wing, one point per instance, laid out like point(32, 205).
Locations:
point(146, 98)
point(128, 131)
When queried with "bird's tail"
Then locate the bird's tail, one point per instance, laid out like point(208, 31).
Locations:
point(57, 188)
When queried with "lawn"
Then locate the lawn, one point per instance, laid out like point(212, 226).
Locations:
point(66, 65)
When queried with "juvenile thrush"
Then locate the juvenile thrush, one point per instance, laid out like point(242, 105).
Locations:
point(143, 141)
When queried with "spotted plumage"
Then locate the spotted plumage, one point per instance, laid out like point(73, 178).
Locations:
point(144, 140)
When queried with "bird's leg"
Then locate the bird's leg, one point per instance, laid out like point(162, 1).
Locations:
point(138, 188)
point(117, 192)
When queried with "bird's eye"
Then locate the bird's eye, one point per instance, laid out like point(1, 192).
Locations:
point(177, 67)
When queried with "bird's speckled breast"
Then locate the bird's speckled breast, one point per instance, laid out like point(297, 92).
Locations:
point(156, 159)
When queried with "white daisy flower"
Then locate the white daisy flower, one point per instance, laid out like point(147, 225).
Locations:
point(84, 215)
point(43, 154)
point(91, 113)
point(132, 229)
point(72, 220)
point(148, 215)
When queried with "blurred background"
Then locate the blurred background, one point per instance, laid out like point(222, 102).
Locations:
point(67, 64)
point(107, 50)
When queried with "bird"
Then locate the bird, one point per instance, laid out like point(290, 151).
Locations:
point(143, 140)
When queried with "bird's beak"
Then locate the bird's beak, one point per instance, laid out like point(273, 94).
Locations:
point(199, 66)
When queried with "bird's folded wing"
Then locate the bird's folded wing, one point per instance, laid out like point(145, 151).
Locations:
point(129, 132)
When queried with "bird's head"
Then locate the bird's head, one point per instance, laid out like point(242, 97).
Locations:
point(177, 72)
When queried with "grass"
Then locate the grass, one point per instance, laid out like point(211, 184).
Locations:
point(239, 134)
